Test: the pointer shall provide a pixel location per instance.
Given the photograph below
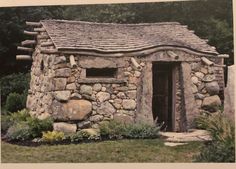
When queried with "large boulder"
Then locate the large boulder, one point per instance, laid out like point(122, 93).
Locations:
point(211, 103)
point(77, 109)
point(65, 127)
point(212, 88)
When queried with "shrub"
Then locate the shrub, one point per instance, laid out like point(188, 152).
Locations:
point(112, 130)
point(222, 147)
point(31, 127)
point(83, 135)
point(19, 131)
point(18, 83)
point(6, 122)
point(9, 120)
point(118, 130)
point(15, 102)
point(52, 136)
point(140, 131)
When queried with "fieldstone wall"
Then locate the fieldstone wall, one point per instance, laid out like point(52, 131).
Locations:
point(76, 101)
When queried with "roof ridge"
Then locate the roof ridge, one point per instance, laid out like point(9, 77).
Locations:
point(101, 23)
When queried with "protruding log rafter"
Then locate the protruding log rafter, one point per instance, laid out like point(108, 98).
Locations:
point(172, 55)
point(210, 63)
point(44, 44)
point(31, 33)
point(43, 37)
point(25, 49)
point(135, 63)
point(33, 23)
point(28, 42)
point(72, 61)
point(23, 57)
point(39, 29)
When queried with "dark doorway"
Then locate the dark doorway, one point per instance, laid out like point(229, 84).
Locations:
point(162, 108)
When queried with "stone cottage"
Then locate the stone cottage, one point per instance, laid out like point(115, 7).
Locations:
point(85, 73)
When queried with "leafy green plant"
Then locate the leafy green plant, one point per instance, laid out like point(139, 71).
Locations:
point(22, 122)
point(14, 83)
point(15, 102)
point(52, 136)
point(19, 131)
point(222, 147)
point(119, 130)
point(112, 129)
point(141, 130)
point(6, 122)
point(83, 135)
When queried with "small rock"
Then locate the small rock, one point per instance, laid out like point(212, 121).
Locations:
point(76, 96)
point(129, 69)
point(199, 96)
point(212, 88)
point(127, 74)
point(104, 89)
point(59, 59)
point(65, 127)
point(137, 73)
point(65, 72)
point(103, 96)
point(97, 87)
point(84, 124)
point(96, 118)
point(209, 78)
point(62, 95)
point(129, 104)
point(106, 108)
point(71, 86)
point(85, 89)
point(194, 80)
point(200, 75)
point(121, 95)
point(194, 88)
point(142, 64)
point(195, 66)
point(211, 103)
point(59, 83)
point(132, 94)
point(204, 70)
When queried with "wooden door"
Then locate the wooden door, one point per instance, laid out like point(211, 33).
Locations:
point(162, 95)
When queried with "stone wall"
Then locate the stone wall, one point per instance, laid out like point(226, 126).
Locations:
point(76, 101)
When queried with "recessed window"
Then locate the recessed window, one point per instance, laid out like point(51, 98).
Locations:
point(101, 72)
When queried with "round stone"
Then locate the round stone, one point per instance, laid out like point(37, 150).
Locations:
point(212, 88)
point(194, 80)
point(97, 87)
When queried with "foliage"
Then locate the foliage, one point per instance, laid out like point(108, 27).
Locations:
point(15, 83)
point(222, 147)
point(15, 102)
point(82, 136)
point(118, 130)
point(10, 119)
point(112, 130)
point(141, 131)
point(24, 127)
point(52, 136)
point(19, 131)
point(6, 122)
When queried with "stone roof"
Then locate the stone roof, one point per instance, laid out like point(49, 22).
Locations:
point(112, 38)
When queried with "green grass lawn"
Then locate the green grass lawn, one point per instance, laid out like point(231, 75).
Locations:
point(107, 151)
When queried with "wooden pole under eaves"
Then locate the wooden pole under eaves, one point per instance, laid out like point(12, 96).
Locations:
point(23, 57)
point(72, 61)
point(28, 42)
point(31, 33)
point(33, 23)
point(25, 49)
